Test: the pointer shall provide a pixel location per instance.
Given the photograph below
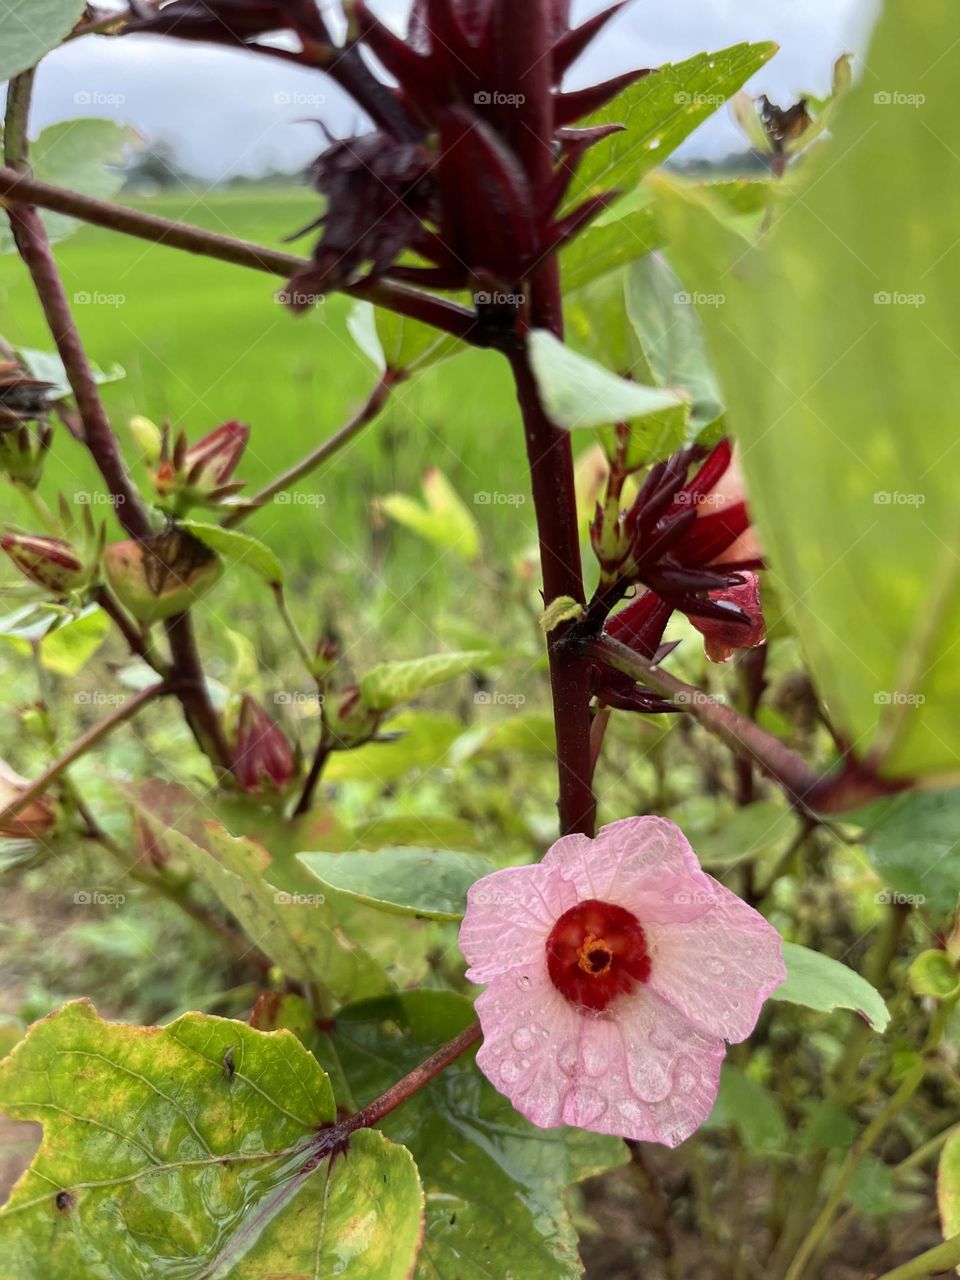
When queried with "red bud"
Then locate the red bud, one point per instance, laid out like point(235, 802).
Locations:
point(265, 761)
point(49, 562)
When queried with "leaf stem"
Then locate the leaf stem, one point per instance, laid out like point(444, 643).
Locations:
point(86, 742)
point(936, 1261)
point(374, 404)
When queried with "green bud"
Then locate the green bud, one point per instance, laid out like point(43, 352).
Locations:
point(162, 576)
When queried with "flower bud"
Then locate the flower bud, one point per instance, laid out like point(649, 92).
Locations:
point(22, 452)
point(36, 820)
point(199, 474)
point(264, 759)
point(162, 576)
point(49, 562)
point(350, 721)
point(148, 436)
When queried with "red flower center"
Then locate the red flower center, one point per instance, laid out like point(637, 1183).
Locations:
point(596, 951)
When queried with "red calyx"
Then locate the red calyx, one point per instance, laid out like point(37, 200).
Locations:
point(597, 951)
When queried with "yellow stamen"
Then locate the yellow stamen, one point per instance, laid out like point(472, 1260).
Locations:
point(594, 956)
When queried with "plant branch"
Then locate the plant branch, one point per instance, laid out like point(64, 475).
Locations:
point(17, 189)
point(378, 398)
point(845, 789)
point(86, 742)
point(936, 1261)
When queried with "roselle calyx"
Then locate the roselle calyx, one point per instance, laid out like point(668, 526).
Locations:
point(264, 761)
point(349, 721)
point(37, 819)
point(161, 576)
point(200, 474)
point(51, 563)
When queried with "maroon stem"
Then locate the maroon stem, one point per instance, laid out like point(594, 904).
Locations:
point(16, 189)
point(849, 787)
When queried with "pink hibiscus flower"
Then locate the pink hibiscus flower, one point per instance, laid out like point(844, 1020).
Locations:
point(616, 970)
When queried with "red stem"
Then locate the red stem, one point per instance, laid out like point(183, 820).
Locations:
point(16, 188)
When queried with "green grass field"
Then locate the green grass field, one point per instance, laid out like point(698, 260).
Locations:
point(202, 342)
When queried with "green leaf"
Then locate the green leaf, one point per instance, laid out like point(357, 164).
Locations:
point(948, 1186)
point(31, 28)
point(827, 1128)
point(443, 518)
point(238, 547)
point(658, 112)
point(494, 1183)
point(423, 742)
point(913, 844)
point(665, 319)
point(67, 649)
point(83, 156)
point(431, 883)
point(934, 974)
point(398, 343)
point(48, 367)
point(817, 982)
point(392, 683)
point(604, 248)
point(752, 1110)
point(299, 932)
point(182, 1151)
point(745, 834)
point(577, 392)
point(848, 460)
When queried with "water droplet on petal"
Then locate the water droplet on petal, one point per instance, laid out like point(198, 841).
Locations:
point(650, 1081)
point(713, 965)
point(595, 1057)
point(583, 1106)
point(632, 1111)
point(568, 1057)
point(523, 1039)
point(523, 981)
point(509, 1071)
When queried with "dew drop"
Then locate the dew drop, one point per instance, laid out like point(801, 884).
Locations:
point(632, 1111)
point(653, 144)
point(686, 1081)
point(568, 1057)
point(650, 1081)
point(523, 982)
point(509, 1071)
point(583, 1106)
point(714, 966)
point(595, 1058)
point(523, 1039)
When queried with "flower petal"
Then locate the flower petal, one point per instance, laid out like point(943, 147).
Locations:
point(509, 916)
point(643, 864)
point(717, 970)
point(639, 1070)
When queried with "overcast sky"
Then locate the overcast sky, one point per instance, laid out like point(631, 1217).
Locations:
point(230, 112)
